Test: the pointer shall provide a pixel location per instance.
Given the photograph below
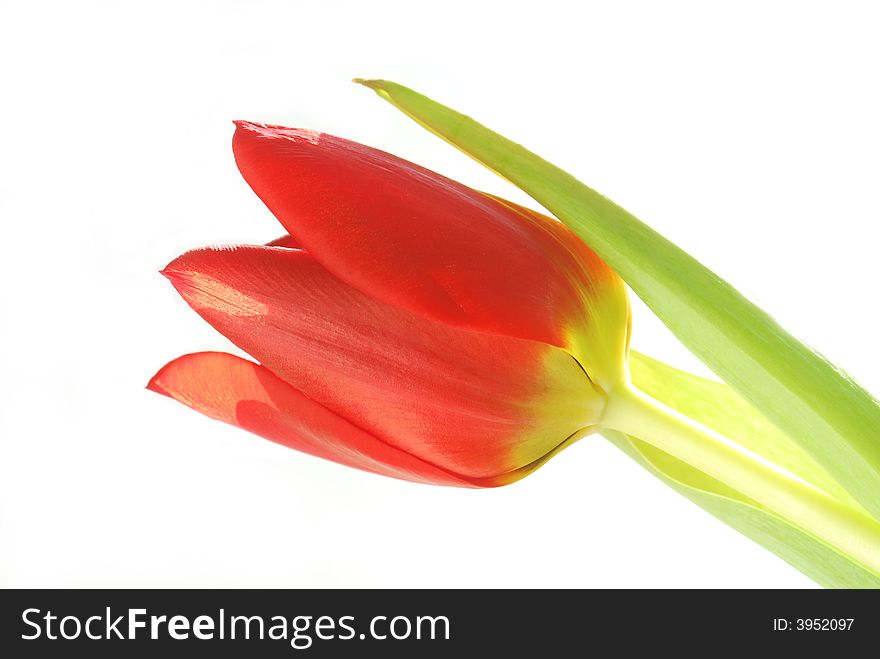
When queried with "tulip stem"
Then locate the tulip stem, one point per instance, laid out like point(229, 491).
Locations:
point(845, 528)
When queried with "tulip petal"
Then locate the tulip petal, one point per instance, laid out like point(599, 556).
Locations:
point(247, 395)
point(474, 404)
point(285, 241)
point(418, 240)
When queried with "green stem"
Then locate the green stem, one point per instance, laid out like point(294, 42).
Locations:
point(846, 529)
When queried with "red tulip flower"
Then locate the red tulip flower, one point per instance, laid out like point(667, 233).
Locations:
point(408, 326)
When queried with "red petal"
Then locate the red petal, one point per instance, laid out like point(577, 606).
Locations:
point(249, 396)
point(469, 402)
point(285, 241)
point(415, 239)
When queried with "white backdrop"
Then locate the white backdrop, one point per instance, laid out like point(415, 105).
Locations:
point(746, 132)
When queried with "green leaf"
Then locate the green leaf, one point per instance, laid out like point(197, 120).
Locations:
point(715, 405)
point(808, 398)
point(822, 563)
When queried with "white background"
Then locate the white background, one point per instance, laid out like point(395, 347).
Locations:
point(745, 132)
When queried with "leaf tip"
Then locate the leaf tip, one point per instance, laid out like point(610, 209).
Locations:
point(372, 84)
point(378, 86)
